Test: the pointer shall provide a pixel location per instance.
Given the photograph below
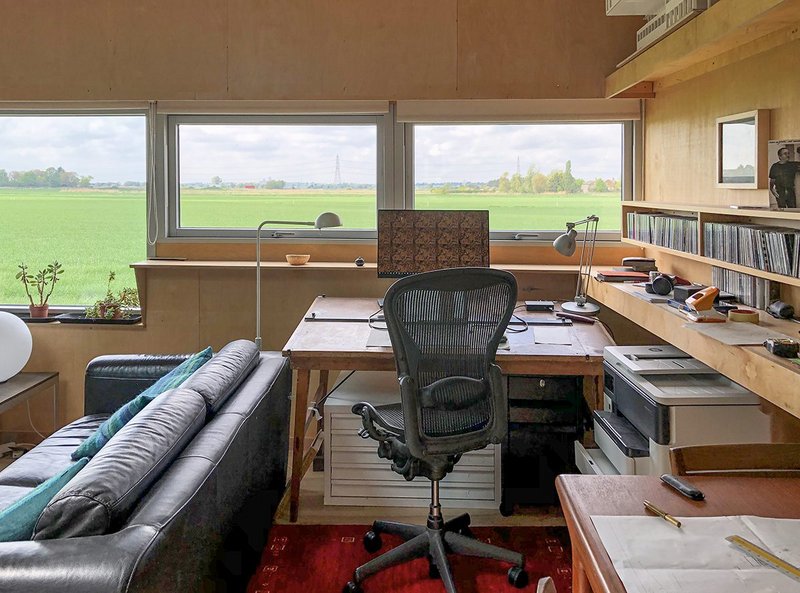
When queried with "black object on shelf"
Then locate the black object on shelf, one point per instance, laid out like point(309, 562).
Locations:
point(29, 319)
point(81, 318)
point(546, 416)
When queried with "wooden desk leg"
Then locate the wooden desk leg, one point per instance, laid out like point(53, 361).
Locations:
point(55, 405)
point(593, 391)
point(300, 405)
point(580, 583)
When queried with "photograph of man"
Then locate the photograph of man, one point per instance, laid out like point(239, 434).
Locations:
point(782, 179)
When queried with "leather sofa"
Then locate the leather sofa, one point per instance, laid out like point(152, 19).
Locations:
point(194, 520)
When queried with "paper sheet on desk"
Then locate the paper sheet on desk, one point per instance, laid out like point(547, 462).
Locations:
point(652, 556)
point(378, 338)
point(736, 334)
point(546, 334)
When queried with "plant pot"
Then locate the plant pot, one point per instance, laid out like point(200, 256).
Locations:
point(38, 311)
point(109, 312)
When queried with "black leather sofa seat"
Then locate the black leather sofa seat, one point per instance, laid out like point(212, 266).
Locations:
point(202, 524)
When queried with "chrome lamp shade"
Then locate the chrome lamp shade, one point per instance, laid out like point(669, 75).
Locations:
point(565, 244)
point(323, 221)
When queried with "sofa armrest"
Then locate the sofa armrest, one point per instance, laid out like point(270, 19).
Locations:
point(100, 564)
point(115, 379)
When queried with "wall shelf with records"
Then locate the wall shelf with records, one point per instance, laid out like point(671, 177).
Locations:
point(761, 243)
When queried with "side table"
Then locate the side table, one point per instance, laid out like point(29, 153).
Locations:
point(22, 386)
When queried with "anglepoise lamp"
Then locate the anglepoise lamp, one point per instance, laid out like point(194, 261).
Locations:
point(565, 245)
point(324, 221)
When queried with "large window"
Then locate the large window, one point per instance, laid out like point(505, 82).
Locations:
point(531, 177)
point(72, 189)
point(231, 172)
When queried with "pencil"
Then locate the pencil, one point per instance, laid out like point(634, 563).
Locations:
point(666, 516)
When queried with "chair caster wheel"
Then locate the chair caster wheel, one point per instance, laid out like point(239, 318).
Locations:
point(352, 587)
point(372, 542)
point(518, 577)
point(433, 570)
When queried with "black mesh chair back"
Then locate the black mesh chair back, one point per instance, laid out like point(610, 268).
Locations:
point(445, 327)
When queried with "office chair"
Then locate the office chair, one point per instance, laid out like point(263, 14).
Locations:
point(445, 327)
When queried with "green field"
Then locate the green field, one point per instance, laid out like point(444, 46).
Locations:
point(92, 231)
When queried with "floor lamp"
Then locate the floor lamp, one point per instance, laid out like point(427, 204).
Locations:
point(565, 245)
point(324, 221)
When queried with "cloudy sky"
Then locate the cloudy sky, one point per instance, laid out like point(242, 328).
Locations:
point(112, 149)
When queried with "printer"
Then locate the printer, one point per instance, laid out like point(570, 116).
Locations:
point(658, 397)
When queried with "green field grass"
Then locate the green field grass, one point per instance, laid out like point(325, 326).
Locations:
point(92, 231)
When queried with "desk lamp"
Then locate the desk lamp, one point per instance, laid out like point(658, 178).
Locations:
point(323, 221)
point(565, 245)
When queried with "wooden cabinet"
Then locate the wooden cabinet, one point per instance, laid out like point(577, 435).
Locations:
point(729, 31)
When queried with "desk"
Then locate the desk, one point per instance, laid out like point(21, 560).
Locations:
point(341, 345)
point(583, 496)
point(22, 386)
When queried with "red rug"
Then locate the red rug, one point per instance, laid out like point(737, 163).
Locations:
point(321, 559)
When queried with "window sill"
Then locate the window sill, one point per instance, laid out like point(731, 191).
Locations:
point(312, 265)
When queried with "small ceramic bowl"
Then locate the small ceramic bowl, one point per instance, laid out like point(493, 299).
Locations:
point(296, 259)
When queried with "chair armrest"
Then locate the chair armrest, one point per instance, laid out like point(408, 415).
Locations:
point(374, 424)
point(113, 380)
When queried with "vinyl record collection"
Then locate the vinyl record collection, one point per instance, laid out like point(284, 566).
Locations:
point(673, 232)
point(749, 290)
point(774, 249)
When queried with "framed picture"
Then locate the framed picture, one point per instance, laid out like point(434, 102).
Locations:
point(784, 174)
point(742, 150)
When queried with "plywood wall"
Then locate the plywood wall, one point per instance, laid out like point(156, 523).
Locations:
point(188, 310)
point(680, 137)
point(308, 49)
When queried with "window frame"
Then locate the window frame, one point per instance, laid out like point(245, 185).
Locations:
point(630, 146)
point(77, 110)
point(384, 169)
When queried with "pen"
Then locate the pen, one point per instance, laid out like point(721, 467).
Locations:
point(667, 517)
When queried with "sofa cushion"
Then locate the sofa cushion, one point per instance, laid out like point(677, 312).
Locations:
point(123, 415)
point(17, 521)
point(101, 497)
point(50, 456)
point(220, 377)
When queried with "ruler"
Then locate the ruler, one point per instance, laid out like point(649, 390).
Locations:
point(764, 557)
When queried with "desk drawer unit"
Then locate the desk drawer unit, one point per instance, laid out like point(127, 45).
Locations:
point(355, 475)
point(545, 417)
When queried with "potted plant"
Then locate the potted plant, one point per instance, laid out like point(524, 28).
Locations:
point(114, 306)
point(42, 283)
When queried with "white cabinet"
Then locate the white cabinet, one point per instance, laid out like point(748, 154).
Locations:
point(355, 475)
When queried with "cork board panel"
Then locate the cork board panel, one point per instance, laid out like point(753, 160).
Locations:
point(413, 241)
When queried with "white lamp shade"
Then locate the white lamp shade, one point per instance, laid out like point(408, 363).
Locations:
point(327, 220)
point(565, 244)
point(16, 344)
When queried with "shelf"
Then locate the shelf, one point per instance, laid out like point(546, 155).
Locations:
point(790, 280)
point(698, 209)
point(743, 27)
point(776, 380)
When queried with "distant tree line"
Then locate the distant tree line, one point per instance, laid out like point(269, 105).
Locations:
point(534, 182)
point(50, 177)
